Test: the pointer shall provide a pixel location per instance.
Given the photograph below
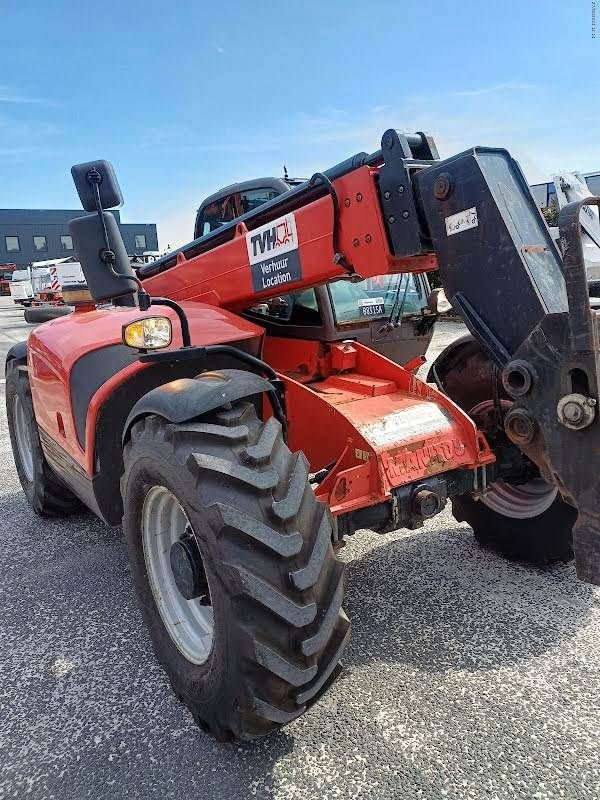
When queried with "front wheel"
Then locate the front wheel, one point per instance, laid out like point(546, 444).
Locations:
point(234, 568)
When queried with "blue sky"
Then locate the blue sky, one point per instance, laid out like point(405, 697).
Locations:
point(184, 97)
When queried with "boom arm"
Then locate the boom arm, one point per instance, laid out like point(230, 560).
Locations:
point(343, 224)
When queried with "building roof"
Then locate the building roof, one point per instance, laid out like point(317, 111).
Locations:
point(49, 216)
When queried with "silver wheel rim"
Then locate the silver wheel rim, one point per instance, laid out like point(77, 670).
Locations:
point(189, 623)
point(520, 502)
point(23, 437)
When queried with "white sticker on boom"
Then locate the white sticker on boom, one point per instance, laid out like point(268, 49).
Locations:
point(457, 223)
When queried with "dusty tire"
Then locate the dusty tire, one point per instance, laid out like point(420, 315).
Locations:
point(275, 584)
point(467, 377)
point(539, 540)
point(46, 494)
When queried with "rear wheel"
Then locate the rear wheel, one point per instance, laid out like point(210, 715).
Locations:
point(517, 532)
point(522, 520)
point(234, 568)
point(46, 494)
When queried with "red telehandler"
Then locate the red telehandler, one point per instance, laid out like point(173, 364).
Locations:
point(237, 458)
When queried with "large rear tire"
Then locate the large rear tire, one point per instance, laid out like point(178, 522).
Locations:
point(522, 522)
point(46, 494)
point(538, 540)
point(266, 642)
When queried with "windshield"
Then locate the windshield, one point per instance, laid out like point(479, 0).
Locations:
point(374, 297)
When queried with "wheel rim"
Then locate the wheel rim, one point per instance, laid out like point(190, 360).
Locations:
point(516, 501)
point(23, 437)
point(522, 501)
point(189, 623)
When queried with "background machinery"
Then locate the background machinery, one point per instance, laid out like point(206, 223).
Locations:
point(238, 454)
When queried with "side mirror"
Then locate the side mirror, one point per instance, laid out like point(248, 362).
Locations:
point(101, 174)
point(438, 302)
point(106, 281)
point(97, 239)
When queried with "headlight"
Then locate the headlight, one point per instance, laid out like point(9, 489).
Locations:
point(149, 333)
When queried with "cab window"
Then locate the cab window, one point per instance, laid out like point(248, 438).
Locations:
point(375, 297)
point(232, 206)
point(253, 198)
point(593, 182)
point(295, 308)
point(217, 214)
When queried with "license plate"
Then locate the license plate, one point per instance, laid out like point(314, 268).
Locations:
point(371, 307)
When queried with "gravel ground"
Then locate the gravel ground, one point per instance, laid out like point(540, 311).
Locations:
point(467, 677)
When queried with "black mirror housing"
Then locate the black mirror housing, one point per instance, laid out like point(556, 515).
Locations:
point(89, 244)
point(108, 186)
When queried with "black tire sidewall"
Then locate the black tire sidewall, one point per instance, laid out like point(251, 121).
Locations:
point(538, 540)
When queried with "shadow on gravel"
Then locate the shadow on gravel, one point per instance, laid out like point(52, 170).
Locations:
point(436, 600)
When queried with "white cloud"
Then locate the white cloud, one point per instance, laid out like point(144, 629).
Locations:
point(218, 48)
point(511, 86)
point(8, 95)
point(21, 139)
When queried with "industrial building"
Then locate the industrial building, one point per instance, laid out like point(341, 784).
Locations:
point(28, 235)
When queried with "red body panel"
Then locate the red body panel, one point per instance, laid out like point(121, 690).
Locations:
point(298, 358)
point(55, 347)
point(386, 427)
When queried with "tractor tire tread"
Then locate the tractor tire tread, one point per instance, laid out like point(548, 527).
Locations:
point(269, 542)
